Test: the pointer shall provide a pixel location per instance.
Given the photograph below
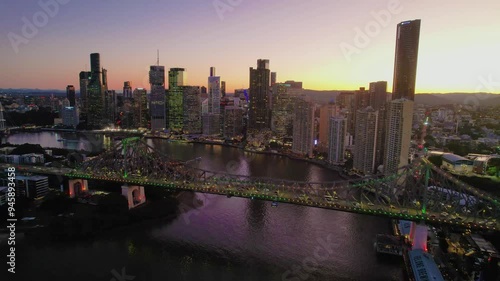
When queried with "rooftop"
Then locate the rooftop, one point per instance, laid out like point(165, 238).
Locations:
point(424, 267)
point(450, 157)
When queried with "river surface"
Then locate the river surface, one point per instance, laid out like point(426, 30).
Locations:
point(224, 239)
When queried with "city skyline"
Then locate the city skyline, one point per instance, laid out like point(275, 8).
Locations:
point(327, 32)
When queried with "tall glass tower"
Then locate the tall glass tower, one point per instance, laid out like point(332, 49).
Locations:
point(95, 93)
point(174, 109)
point(405, 64)
point(157, 103)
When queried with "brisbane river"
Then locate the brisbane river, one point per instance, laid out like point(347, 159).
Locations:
point(224, 239)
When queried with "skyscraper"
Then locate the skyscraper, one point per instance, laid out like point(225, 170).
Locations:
point(140, 108)
point(346, 102)
point(325, 113)
point(211, 119)
point(366, 140)
point(84, 82)
point(223, 88)
point(157, 100)
point(378, 94)
point(95, 90)
point(175, 115)
point(70, 95)
point(192, 110)
point(273, 78)
point(258, 114)
point(405, 63)
point(398, 134)
point(336, 139)
point(127, 90)
point(283, 109)
point(233, 126)
point(303, 126)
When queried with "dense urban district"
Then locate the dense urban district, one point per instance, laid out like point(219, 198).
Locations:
point(369, 136)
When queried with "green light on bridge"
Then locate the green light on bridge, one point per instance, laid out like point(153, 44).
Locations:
point(424, 210)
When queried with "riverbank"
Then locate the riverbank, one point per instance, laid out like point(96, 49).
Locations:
point(322, 164)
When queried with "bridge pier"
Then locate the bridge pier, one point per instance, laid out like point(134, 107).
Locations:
point(135, 195)
point(418, 236)
point(77, 186)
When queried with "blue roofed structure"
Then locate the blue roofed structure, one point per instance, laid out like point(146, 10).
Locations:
point(424, 267)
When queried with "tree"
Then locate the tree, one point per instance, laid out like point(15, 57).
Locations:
point(437, 160)
point(494, 167)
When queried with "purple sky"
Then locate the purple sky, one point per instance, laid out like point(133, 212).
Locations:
point(459, 41)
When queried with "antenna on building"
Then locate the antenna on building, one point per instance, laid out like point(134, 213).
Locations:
point(157, 57)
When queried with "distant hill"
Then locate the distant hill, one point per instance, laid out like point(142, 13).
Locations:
point(481, 99)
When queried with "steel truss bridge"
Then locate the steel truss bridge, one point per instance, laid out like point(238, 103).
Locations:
point(418, 192)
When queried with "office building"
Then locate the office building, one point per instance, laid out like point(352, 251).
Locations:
point(258, 114)
point(366, 140)
point(33, 187)
point(273, 78)
point(405, 64)
point(157, 97)
point(211, 119)
point(192, 110)
point(127, 90)
point(398, 134)
point(294, 84)
point(223, 89)
point(71, 95)
point(95, 96)
point(233, 125)
point(337, 135)
point(282, 112)
point(303, 126)
point(175, 114)
point(378, 94)
point(140, 108)
point(70, 116)
point(84, 81)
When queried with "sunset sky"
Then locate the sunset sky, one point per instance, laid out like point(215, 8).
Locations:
point(459, 42)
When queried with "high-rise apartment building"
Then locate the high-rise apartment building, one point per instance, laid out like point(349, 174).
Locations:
point(346, 102)
point(366, 140)
point(157, 97)
point(336, 140)
point(398, 134)
point(258, 113)
point(71, 95)
point(303, 126)
point(325, 113)
point(405, 64)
